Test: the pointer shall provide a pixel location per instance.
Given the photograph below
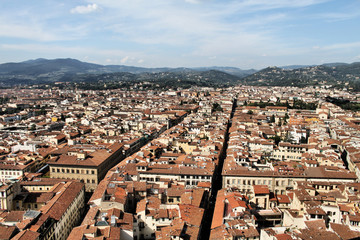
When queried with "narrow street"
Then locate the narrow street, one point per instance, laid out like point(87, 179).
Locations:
point(216, 184)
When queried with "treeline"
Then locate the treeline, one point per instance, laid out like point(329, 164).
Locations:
point(344, 103)
point(298, 104)
point(4, 100)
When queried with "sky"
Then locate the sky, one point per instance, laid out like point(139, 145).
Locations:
point(182, 33)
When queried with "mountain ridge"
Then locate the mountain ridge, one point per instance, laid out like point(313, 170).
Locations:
point(85, 67)
point(40, 71)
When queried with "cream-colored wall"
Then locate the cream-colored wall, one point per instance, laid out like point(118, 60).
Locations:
point(88, 175)
point(70, 218)
point(275, 184)
point(289, 221)
point(192, 179)
point(38, 188)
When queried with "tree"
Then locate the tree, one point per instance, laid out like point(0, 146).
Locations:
point(277, 139)
point(284, 121)
point(216, 108)
point(272, 118)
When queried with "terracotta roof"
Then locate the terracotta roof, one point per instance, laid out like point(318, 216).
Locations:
point(6, 232)
point(283, 236)
point(14, 216)
point(57, 206)
point(261, 189)
point(191, 215)
point(26, 235)
point(307, 234)
point(218, 215)
point(344, 231)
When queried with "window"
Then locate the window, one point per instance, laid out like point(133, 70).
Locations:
point(92, 172)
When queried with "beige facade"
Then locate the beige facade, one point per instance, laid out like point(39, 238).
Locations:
point(90, 168)
point(62, 212)
point(7, 193)
point(289, 152)
point(87, 175)
point(276, 184)
point(188, 178)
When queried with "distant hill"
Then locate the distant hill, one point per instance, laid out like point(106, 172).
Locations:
point(291, 67)
point(40, 71)
point(44, 70)
point(210, 78)
point(329, 74)
point(230, 70)
point(334, 64)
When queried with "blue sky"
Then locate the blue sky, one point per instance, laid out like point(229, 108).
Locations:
point(182, 33)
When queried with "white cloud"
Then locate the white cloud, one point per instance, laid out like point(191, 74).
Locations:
point(163, 32)
point(342, 46)
point(124, 59)
point(85, 9)
point(192, 1)
point(37, 30)
point(33, 31)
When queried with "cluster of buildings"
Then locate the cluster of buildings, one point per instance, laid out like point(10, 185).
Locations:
point(166, 185)
point(236, 163)
point(288, 175)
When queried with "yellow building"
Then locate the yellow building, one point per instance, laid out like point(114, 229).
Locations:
point(88, 167)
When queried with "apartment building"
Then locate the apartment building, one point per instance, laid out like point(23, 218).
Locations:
point(89, 167)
